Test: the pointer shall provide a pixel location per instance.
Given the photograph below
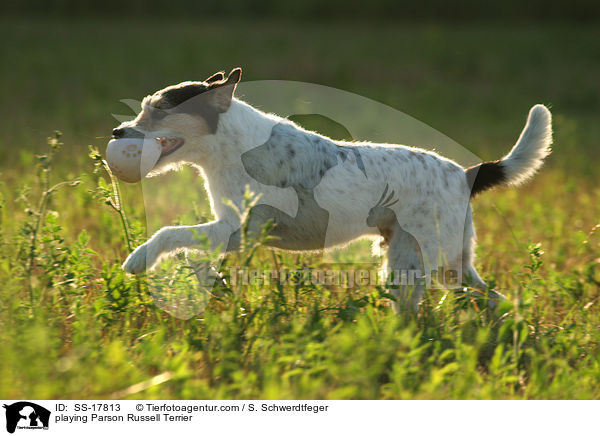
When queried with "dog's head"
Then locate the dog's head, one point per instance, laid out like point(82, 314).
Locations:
point(182, 116)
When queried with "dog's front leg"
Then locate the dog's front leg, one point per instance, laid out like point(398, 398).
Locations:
point(170, 239)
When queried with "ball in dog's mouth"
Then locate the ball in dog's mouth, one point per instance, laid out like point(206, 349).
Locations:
point(169, 145)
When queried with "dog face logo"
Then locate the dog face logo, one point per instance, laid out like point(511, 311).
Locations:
point(26, 415)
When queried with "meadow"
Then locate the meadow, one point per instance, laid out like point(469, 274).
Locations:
point(74, 326)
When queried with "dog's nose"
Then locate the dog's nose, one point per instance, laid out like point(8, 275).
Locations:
point(126, 132)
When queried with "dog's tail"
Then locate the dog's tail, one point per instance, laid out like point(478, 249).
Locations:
point(525, 158)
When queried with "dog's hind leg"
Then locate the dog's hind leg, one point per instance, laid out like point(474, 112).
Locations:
point(472, 279)
point(405, 271)
point(470, 275)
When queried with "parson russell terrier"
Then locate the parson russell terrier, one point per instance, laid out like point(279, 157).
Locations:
point(321, 193)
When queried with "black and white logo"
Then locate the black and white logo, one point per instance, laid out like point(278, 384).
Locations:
point(24, 415)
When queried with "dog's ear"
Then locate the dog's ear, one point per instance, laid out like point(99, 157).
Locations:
point(217, 77)
point(221, 92)
point(235, 76)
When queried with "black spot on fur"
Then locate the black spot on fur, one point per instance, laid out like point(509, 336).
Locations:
point(485, 176)
point(178, 95)
point(290, 150)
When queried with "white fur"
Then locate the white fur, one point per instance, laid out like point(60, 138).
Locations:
point(528, 154)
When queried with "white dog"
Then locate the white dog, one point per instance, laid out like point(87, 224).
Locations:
point(322, 193)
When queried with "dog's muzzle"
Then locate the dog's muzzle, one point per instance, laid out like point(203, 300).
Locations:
point(132, 154)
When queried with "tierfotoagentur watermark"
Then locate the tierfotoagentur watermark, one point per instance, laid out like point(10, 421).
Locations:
point(341, 278)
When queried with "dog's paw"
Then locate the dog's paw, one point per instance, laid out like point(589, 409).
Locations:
point(136, 262)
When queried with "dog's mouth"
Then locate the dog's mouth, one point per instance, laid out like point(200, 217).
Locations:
point(169, 145)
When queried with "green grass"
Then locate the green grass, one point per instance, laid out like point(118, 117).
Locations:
point(93, 332)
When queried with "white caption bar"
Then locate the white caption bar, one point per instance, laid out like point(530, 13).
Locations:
point(26, 417)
